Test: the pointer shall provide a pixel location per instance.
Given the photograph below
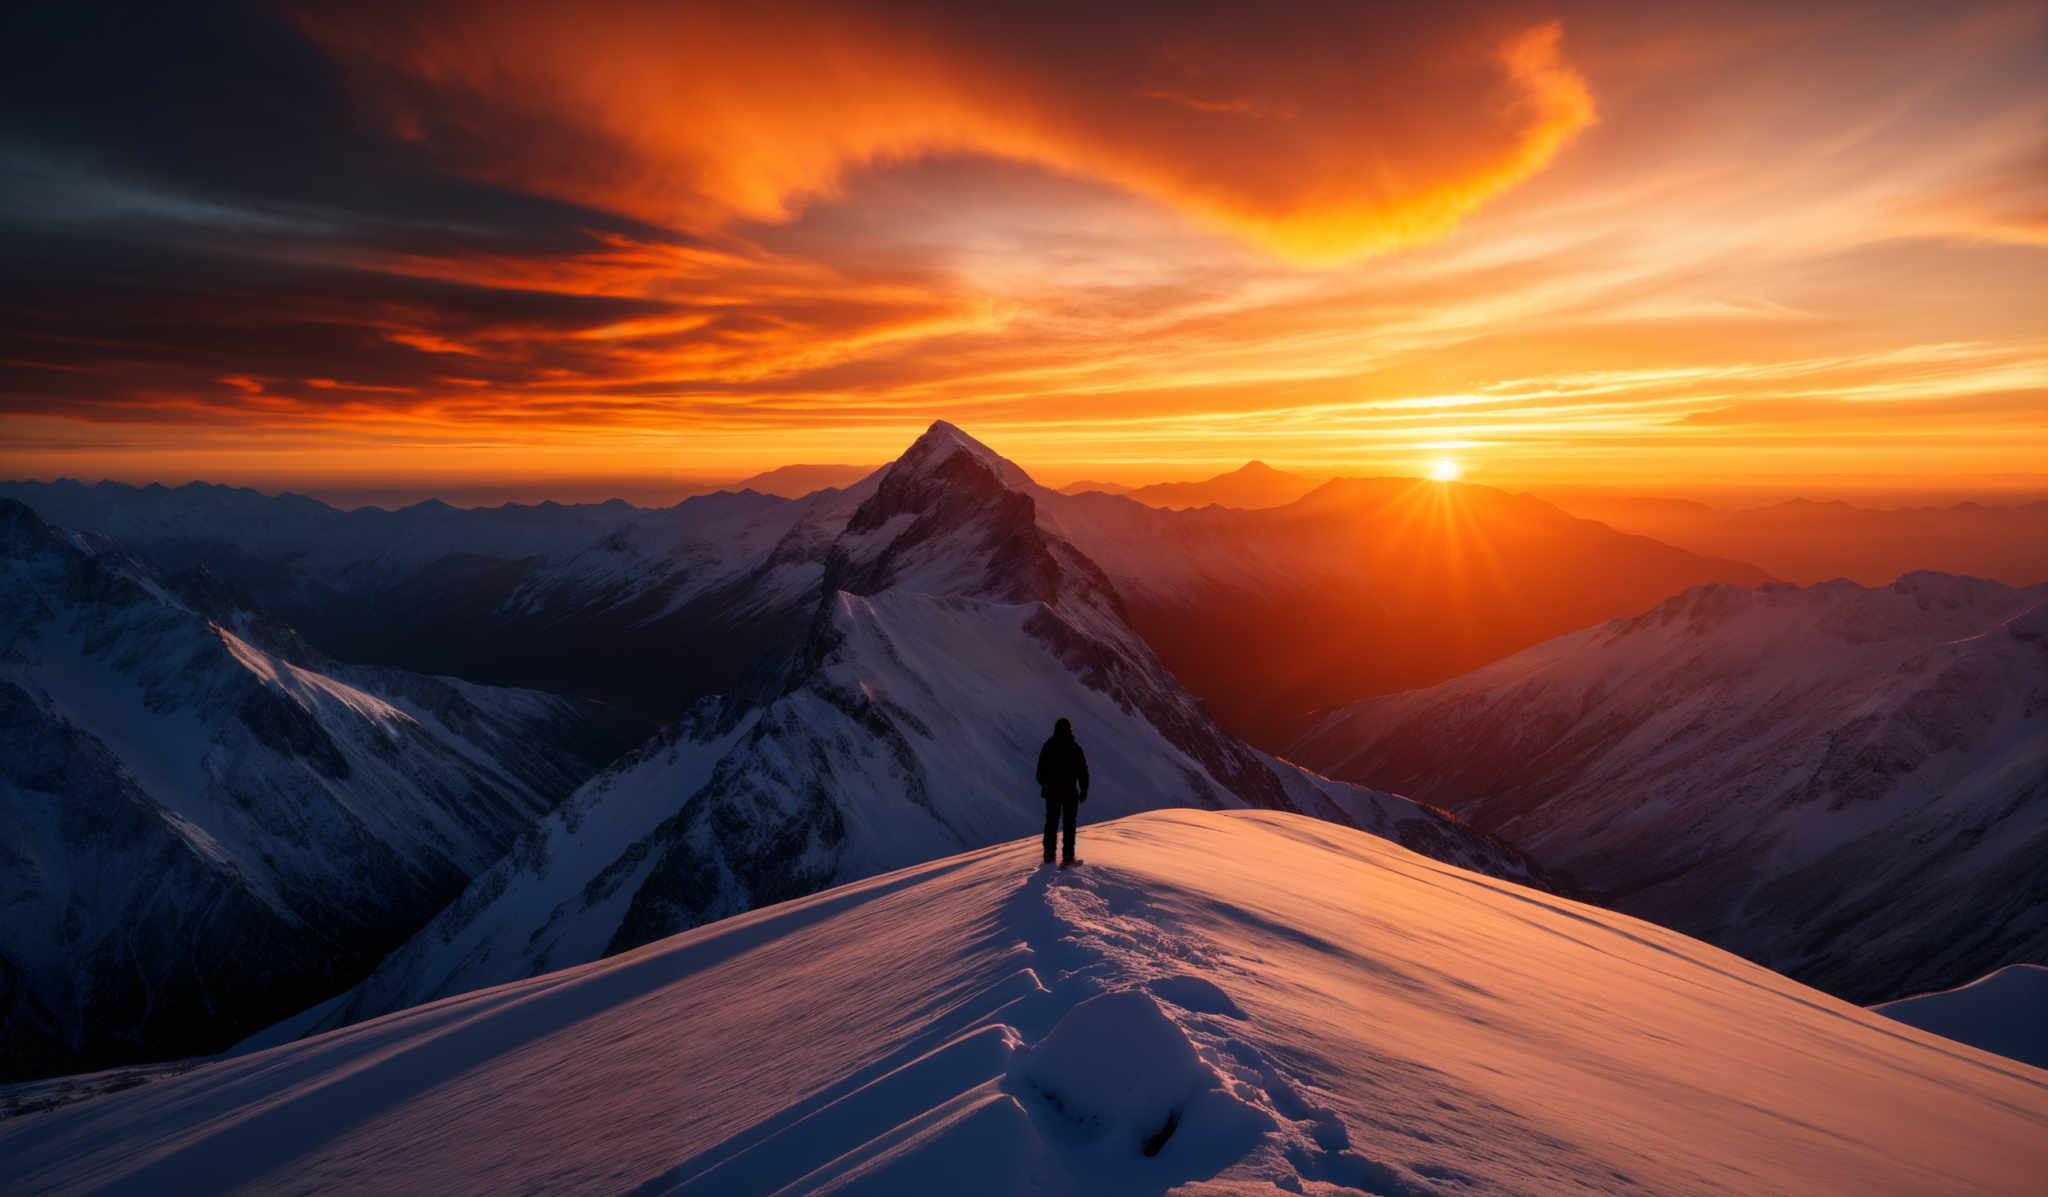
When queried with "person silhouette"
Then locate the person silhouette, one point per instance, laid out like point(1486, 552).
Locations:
point(1063, 783)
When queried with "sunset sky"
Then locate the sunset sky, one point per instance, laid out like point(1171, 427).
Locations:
point(547, 246)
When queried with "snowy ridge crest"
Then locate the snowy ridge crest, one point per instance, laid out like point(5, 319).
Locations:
point(1106, 1057)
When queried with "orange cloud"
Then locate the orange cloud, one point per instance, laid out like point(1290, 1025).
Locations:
point(1337, 136)
point(664, 235)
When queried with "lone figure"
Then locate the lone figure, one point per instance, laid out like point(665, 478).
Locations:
point(1063, 783)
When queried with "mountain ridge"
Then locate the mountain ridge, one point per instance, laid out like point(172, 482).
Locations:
point(1363, 586)
point(207, 824)
point(1251, 486)
point(1751, 766)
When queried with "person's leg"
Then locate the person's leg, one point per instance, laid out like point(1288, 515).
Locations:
point(1052, 826)
point(1070, 810)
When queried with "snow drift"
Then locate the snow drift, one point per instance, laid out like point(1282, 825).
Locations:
point(1235, 1002)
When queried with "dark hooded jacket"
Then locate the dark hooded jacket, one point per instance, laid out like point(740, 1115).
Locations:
point(1062, 769)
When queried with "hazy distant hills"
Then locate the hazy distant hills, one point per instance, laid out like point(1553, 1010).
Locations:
point(1806, 541)
point(1254, 484)
point(1087, 484)
point(1800, 540)
point(1848, 785)
point(1365, 585)
point(796, 481)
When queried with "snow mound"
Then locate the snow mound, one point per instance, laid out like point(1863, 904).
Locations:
point(2005, 1012)
point(1240, 1002)
point(1120, 1069)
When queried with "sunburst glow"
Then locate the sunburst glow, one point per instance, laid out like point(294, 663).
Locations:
point(1445, 470)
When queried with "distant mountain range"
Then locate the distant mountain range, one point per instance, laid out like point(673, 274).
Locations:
point(1805, 541)
point(648, 610)
point(1364, 586)
point(1252, 485)
point(205, 824)
point(1361, 587)
point(857, 679)
point(796, 481)
point(1848, 785)
point(1087, 484)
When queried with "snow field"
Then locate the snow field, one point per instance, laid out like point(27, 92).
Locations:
point(1119, 1075)
point(1264, 1002)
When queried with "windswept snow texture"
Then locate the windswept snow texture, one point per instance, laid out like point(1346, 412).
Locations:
point(1242, 1002)
point(2005, 1012)
point(199, 831)
point(949, 631)
point(1849, 785)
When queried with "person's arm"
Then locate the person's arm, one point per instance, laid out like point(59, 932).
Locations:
point(1044, 760)
point(1081, 769)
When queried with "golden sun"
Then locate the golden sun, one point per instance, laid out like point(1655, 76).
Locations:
point(1445, 470)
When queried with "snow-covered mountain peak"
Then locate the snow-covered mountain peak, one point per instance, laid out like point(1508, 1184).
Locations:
point(944, 454)
point(943, 439)
point(943, 459)
point(25, 536)
point(40, 562)
point(945, 629)
point(22, 531)
point(951, 517)
point(937, 468)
